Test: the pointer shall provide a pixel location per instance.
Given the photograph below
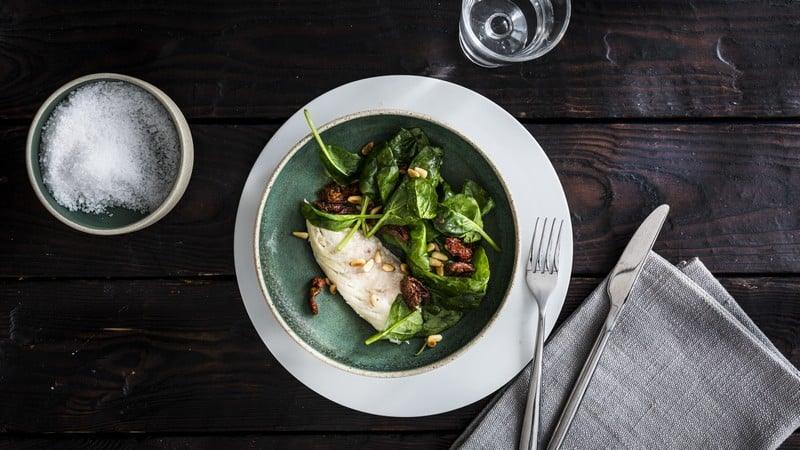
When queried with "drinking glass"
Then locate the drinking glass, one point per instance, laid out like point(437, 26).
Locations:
point(495, 33)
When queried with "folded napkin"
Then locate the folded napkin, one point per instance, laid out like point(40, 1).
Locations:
point(684, 368)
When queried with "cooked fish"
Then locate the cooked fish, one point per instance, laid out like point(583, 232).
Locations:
point(365, 286)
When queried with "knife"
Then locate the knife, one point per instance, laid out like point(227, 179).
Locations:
point(619, 286)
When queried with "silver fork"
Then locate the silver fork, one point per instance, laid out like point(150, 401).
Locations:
point(541, 275)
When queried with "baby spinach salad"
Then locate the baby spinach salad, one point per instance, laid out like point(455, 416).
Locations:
point(394, 190)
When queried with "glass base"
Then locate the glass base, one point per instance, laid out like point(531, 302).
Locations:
point(474, 57)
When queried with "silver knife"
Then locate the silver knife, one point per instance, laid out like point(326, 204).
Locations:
point(620, 284)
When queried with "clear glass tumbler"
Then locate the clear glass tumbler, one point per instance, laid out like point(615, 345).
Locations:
point(495, 33)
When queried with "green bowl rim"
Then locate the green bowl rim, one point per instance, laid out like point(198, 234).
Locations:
point(261, 283)
point(184, 171)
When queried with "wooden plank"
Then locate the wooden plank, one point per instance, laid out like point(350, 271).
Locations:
point(620, 58)
point(182, 357)
point(734, 190)
point(428, 441)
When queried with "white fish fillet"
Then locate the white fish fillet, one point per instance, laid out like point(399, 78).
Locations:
point(370, 294)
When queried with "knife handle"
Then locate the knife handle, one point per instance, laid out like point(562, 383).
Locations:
point(582, 384)
point(528, 439)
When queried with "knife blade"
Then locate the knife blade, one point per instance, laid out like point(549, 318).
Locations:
point(629, 266)
point(620, 284)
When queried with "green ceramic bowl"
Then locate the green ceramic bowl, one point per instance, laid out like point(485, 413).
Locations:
point(286, 264)
point(117, 220)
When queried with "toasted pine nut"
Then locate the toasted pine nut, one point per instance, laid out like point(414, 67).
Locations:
point(333, 289)
point(436, 263)
point(433, 340)
point(421, 172)
point(358, 262)
point(354, 199)
point(376, 210)
point(439, 255)
point(300, 234)
point(367, 148)
point(440, 271)
point(378, 258)
point(413, 173)
point(436, 246)
point(327, 281)
point(404, 267)
point(431, 247)
point(369, 265)
point(387, 268)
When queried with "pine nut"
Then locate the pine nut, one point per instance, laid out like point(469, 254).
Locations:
point(439, 255)
point(333, 289)
point(369, 265)
point(431, 247)
point(436, 263)
point(354, 199)
point(300, 234)
point(421, 172)
point(367, 148)
point(413, 173)
point(327, 280)
point(376, 210)
point(436, 246)
point(440, 271)
point(433, 340)
point(387, 268)
point(358, 262)
point(378, 258)
point(404, 267)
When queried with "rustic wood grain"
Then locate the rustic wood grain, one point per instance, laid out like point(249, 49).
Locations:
point(734, 190)
point(428, 441)
point(619, 58)
point(423, 440)
point(181, 356)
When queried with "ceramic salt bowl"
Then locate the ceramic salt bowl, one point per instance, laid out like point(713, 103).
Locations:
point(116, 220)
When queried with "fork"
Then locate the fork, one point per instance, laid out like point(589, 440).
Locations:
point(541, 275)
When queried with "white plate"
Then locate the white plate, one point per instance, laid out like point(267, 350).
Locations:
point(535, 190)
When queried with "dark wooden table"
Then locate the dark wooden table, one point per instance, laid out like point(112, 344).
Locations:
point(143, 339)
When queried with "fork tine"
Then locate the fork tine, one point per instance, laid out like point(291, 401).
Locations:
point(533, 240)
point(547, 249)
point(539, 255)
point(557, 248)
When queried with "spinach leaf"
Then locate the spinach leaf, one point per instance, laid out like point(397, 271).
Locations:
point(431, 233)
point(396, 245)
point(436, 318)
point(379, 174)
point(334, 222)
point(402, 324)
point(340, 164)
point(406, 143)
point(397, 210)
point(422, 199)
point(453, 292)
point(430, 159)
point(447, 191)
point(460, 216)
point(474, 190)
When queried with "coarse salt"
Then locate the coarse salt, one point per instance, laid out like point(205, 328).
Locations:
point(109, 144)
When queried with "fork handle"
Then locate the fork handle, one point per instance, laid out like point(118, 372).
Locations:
point(528, 439)
point(585, 377)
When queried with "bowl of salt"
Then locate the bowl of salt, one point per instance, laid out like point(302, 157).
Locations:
point(109, 154)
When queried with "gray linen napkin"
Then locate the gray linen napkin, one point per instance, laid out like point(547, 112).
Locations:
point(684, 368)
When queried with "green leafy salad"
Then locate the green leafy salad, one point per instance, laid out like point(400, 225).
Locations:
point(395, 191)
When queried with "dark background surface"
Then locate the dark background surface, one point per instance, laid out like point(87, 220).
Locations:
point(142, 340)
